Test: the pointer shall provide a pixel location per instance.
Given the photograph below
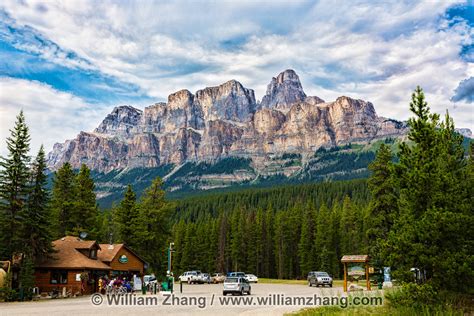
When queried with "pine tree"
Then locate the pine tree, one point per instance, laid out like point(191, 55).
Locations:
point(306, 242)
point(382, 209)
point(126, 217)
point(36, 217)
point(63, 200)
point(14, 188)
point(154, 223)
point(435, 227)
point(84, 213)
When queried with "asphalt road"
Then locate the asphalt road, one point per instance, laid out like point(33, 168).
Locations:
point(204, 299)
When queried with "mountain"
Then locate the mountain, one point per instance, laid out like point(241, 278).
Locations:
point(221, 136)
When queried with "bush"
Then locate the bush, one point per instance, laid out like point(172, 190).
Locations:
point(414, 296)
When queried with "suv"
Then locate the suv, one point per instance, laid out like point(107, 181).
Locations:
point(237, 274)
point(319, 278)
point(205, 278)
point(191, 277)
point(236, 285)
point(218, 278)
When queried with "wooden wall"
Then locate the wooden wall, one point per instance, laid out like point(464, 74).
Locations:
point(133, 264)
point(43, 278)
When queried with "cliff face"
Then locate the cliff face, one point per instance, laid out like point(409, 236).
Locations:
point(224, 121)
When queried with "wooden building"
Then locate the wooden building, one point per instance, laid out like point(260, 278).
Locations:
point(77, 265)
point(121, 260)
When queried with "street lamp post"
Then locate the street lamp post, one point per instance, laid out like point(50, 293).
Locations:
point(170, 254)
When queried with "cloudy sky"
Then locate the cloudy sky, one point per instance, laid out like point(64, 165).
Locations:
point(68, 63)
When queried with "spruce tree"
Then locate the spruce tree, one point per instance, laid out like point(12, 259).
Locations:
point(434, 229)
point(126, 216)
point(14, 188)
point(36, 217)
point(382, 209)
point(84, 215)
point(154, 226)
point(63, 200)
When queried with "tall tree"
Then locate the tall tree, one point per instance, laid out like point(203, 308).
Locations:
point(126, 217)
point(14, 187)
point(36, 217)
point(383, 206)
point(63, 200)
point(434, 229)
point(84, 216)
point(154, 232)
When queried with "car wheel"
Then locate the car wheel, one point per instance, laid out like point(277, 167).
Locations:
point(248, 292)
point(241, 292)
point(330, 285)
point(224, 293)
point(309, 284)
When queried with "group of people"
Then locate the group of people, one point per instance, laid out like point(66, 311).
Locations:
point(117, 284)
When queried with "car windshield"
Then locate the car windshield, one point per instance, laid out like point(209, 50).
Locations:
point(322, 274)
point(232, 280)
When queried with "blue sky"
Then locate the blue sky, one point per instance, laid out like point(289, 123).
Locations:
point(68, 63)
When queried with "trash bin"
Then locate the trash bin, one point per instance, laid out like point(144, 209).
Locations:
point(164, 286)
point(143, 289)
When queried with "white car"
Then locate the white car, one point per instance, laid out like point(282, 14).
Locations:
point(191, 277)
point(252, 278)
point(236, 285)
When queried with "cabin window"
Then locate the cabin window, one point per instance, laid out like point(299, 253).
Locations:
point(59, 277)
point(93, 254)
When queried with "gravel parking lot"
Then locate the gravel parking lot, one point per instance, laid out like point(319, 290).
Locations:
point(265, 299)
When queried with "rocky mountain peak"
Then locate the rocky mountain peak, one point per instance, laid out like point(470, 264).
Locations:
point(180, 99)
point(120, 122)
point(283, 91)
point(228, 101)
point(222, 121)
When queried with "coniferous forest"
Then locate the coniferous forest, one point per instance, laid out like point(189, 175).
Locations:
point(415, 210)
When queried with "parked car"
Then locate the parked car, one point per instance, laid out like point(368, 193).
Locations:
point(190, 277)
point(236, 285)
point(218, 278)
point(319, 278)
point(205, 278)
point(252, 278)
point(236, 274)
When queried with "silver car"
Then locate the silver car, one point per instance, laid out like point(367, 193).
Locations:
point(319, 278)
point(236, 285)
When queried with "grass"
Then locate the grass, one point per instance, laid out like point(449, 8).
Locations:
point(371, 310)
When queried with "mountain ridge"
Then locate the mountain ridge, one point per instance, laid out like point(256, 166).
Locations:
point(223, 121)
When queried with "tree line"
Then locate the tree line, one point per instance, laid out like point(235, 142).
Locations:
point(415, 211)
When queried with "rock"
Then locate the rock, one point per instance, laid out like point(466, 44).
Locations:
point(121, 122)
point(229, 101)
point(466, 132)
point(223, 121)
point(283, 91)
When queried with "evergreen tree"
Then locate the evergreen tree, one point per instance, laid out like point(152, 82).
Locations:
point(306, 243)
point(434, 229)
point(63, 200)
point(126, 217)
point(14, 188)
point(154, 226)
point(383, 206)
point(84, 213)
point(36, 217)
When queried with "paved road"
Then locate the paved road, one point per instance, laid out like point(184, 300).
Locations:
point(196, 300)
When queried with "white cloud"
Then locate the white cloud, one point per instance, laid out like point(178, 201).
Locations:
point(51, 115)
point(377, 51)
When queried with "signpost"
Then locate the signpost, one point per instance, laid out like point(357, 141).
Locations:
point(356, 271)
